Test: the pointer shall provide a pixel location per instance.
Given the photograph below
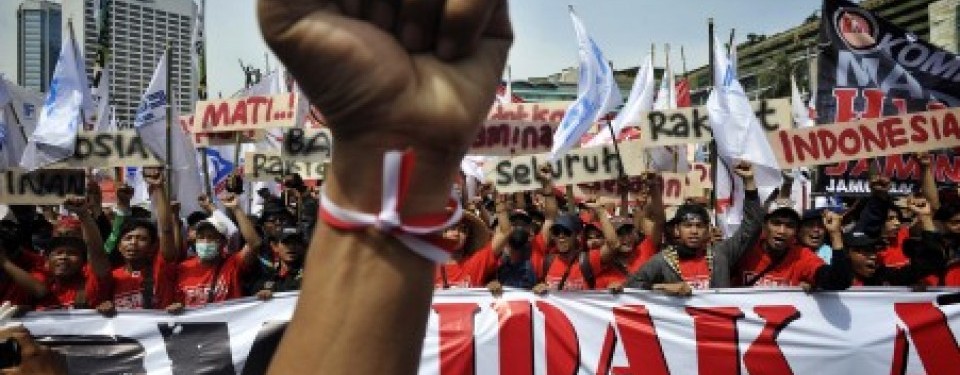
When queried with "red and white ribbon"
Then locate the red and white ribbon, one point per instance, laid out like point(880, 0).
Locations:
point(421, 234)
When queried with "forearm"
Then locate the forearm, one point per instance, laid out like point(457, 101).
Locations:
point(23, 279)
point(164, 224)
point(247, 228)
point(929, 187)
point(95, 254)
point(838, 275)
point(381, 294)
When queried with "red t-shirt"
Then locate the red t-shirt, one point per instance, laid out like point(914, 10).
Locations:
point(64, 295)
point(559, 266)
point(471, 272)
point(893, 256)
point(612, 273)
point(695, 272)
point(952, 276)
point(194, 280)
point(128, 286)
point(9, 290)
point(799, 265)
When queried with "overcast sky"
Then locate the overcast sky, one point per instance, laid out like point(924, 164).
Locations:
point(545, 42)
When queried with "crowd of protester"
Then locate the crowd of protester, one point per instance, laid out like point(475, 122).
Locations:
point(123, 257)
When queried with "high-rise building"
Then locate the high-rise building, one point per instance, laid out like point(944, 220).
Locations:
point(38, 43)
point(139, 32)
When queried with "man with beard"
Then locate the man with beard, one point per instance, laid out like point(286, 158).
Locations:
point(777, 260)
point(925, 255)
point(287, 273)
point(692, 262)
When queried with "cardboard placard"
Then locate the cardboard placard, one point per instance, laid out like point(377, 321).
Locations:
point(828, 144)
point(692, 125)
point(219, 139)
point(271, 166)
point(41, 187)
point(307, 145)
point(253, 112)
point(512, 138)
point(529, 112)
point(577, 166)
point(109, 149)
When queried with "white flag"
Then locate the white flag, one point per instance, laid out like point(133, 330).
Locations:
point(61, 118)
point(101, 99)
point(597, 93)
point(640, 101)
point(667, 158)
point(801, 114)
point(151, 124)
point(739, 136)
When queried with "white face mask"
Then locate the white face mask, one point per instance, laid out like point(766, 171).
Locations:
point(206, 250)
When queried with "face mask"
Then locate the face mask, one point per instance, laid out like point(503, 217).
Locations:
point(206, 250)
point(518, 238)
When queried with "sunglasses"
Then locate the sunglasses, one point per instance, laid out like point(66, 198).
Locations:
point(561, 233)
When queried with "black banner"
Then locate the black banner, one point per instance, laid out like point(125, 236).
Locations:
point(871, 68)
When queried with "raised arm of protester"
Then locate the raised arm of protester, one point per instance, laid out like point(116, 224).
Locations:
point(550, 207)
point(877, 208)
point(611, 242)
point(96, 257)
point(925, 254)
point(247, 229)
point(120, 214)
point(652, 217)
point(744, 238)
point(928, 184)
point(837, 275)
point(155, 183)
point(21, 277)
point(411, 75)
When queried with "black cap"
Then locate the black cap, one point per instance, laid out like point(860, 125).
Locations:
point(569, 222)
point(690, 211)
point(858, 240)
point(784, 212)
point(519, 214)
point(291, 234)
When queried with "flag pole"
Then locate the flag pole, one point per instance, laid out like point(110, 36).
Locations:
point(202, 93)
point(713, 142)
point(683, 62)
point(13, 112)
point(76, 53)
point(169, 143)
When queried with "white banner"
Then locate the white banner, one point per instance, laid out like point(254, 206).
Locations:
point(771, 331)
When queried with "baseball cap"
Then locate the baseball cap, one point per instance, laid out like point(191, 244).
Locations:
point(214, 224)
point(569, 222)
point(291, 234)
point(858, 240)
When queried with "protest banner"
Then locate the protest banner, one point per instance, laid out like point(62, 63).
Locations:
point(529, 112)
point(42, 186)
point(676, 188)
point(577, 166)
point(512, 138)
point(726, 331)
point(691, 124)
point(307, 145)
point(219, 139)
point(827, 144)
point(253, 112)
point(271, 166)
point(109, 149)
point(870, 67)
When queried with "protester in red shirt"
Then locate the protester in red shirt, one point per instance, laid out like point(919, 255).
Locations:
point(634, 251)
point(777, 260)
point(692, 262)
point(68, 282)
point(476, 255)
point(925, 255)
point(561, 268)
point(215, 275)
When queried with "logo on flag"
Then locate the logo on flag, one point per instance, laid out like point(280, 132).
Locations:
point(857, 28)
point(220, 166)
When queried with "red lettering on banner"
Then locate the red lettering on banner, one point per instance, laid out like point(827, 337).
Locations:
point(563, 347)
point(640, 342)
point(944, 170)
point(862, 166)
point(919, 131)
point(936, 344)
point(900, 104)
point(515, 337)
point(896, 134)
point(951, 129)
point(764, 355)
point(901, 351)
point(898, 167)
point(851, 135)
point(457, 354)
point(716, 334)
point(214, 115)
point(838, 169)
point(845, 100)
point(874, 103)
point(256, 101)
point(607, 350)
